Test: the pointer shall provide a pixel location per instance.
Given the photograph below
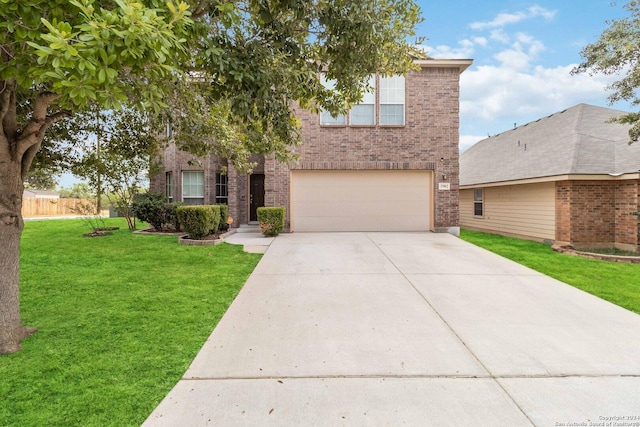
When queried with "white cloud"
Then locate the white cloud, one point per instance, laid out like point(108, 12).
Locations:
point(448, 52)
point(497, 93)
point(500, 36)
point(481, 41)
point(467, 141)
point(504, 19)
point(521, 53)
point(509, 84)
point(541, 11)
point(465, 49)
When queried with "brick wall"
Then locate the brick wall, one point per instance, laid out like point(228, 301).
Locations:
point(428, 141)
point(563, 211)
point(177, 161)
point(626, 202)
point(597, 213)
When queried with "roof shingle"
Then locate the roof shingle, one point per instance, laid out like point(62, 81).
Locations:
point(574, 141)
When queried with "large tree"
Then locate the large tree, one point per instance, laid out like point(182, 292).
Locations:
point(249, 61)
point(617, 52)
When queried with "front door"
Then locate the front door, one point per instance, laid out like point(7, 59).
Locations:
point(256, 195)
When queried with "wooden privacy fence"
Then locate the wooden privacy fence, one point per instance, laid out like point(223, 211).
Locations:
point(53, 207)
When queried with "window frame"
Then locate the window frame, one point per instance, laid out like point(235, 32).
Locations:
point(478, 201)
point(368, 99)
point(386, 97)
point(187, 199)
point(222, 186)
point(168, 186)
point(326, 119)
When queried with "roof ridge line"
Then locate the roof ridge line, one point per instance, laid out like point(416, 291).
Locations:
point(577, 135)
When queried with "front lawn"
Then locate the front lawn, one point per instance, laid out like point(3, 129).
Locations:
point(120, 319)
point(615, 282)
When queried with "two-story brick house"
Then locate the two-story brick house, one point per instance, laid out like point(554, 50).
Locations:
point(391, 164)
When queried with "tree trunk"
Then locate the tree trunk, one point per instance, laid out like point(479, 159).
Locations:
point(12, 331)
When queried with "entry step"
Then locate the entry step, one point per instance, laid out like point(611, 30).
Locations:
point(248, 228)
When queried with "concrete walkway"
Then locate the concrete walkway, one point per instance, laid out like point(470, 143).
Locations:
point(408, 329)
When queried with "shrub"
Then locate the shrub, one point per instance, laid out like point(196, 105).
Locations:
point(196, 221)
point(271, 220)
point(215, 218)
point(170, 215)
point(224, 216)
point(148, 207)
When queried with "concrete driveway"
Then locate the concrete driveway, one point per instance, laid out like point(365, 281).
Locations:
point(408, 329)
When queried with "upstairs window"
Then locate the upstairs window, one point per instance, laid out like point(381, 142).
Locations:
point(365, 113)
point(326, 118)
point(478, 202)
point(222, 191)
point(193, 187)
point(392, 100)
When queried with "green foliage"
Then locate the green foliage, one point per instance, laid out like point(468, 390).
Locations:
point(196, 221)
point(171, 216)
point(615, 282)
point(113, 151)
point(216, 215)
point(271, 220)
point(109, 349)
point(148, 207)
point(41, 179)
point(224, 215)
point(256, 60)
point(85, 50)
point(79, 190)
point(617, 52)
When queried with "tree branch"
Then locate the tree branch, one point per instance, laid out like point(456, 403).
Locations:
point(28, 157)
point(199, 11)
point(38, 124)
point(7, 88)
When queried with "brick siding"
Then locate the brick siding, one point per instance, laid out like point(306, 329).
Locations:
point(428, 141)
point(597, 213)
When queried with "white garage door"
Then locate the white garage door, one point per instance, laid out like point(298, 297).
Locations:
point(361, 200)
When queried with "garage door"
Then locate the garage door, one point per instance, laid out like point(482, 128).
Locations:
point(361, 200)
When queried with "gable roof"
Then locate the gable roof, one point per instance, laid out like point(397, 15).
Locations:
point(574, 141)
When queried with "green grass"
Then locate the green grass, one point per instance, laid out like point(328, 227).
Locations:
point(615, 282)
point(120, 319)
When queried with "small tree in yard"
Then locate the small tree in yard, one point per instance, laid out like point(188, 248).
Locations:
point(240, 65)
point(117, 159)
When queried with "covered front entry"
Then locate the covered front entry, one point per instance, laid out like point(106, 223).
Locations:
point(256, 195)
point(372, 200)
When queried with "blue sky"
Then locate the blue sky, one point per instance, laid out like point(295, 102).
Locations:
point(523, 53)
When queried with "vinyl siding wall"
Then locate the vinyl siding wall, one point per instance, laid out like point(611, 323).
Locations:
point(518, 210)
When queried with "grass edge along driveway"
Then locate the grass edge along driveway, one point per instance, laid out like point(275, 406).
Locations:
point(618, 283)
point(120, 319)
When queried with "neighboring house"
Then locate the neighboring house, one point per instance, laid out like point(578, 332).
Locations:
point(570, 178)
point(40, 194)
point(389, 165)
